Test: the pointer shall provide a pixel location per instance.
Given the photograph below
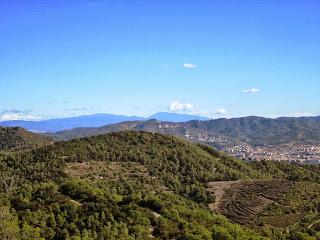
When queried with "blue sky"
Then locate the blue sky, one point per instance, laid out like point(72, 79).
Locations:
point(220, 58)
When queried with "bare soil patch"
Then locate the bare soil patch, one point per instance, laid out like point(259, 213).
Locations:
point(243, 201)
point(218, 189)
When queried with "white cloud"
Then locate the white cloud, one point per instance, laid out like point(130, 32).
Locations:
point(12, 115)
point(189, 65)
point(251, 90)
point(302, 114)
point(177, 106)
point(221, 111)
point(79, 110)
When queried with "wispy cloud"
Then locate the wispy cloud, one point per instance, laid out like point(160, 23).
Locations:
point(302, 114)
point(251, 90)
point(189, 65)
point(81, 109)
point(12, 115)
point(177, 106)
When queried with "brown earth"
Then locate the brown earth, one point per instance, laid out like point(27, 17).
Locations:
point(243, 201)
point(218, 189)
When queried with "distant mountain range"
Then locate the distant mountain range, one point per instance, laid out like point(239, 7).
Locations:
point(95, 120)
point(256, 131)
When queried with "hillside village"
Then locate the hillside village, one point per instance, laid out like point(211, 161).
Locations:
point(301, 153)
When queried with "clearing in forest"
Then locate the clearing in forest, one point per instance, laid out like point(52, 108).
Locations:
point(243, 201)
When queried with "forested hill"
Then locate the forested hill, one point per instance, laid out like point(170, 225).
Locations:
point(265, 131)
point(251, 130)
point(138, 185)
point(160, 153)
point(17, 138)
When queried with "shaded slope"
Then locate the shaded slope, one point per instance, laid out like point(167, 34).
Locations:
point(18, 138)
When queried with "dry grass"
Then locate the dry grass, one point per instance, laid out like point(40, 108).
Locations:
point(111, 171)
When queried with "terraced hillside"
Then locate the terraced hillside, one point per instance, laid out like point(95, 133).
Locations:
point(301, 203)
point(243, 201)
point(139, 185)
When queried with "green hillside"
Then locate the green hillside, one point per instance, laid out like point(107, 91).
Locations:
point(17, 138)
point(138, 185)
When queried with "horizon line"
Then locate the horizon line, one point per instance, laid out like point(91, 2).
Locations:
point(149, 117)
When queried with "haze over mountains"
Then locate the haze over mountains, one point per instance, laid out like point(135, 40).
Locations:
point(250, 138)
point(95, 120)
point(251, 130)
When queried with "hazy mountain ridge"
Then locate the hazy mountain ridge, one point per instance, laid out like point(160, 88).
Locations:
point(95, 120)
point(251, 130)
point(59, 124)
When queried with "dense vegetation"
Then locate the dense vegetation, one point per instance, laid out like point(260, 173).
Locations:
point(131, 185)
point(16, 138)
